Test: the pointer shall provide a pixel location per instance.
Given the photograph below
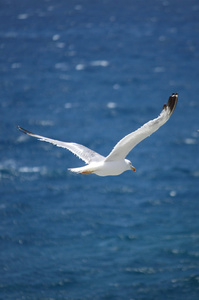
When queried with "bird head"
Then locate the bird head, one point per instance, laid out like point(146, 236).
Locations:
point(129, 165)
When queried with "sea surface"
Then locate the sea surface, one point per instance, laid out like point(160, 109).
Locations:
point(91, 72)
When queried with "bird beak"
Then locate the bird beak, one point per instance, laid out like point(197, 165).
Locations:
point(133, 168)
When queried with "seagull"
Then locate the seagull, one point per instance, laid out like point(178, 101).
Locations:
point(115, 163)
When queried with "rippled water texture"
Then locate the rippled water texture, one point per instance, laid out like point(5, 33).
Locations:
point(91, 72)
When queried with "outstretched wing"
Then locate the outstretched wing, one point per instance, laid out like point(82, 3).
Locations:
point(124, 146)
point(81, 151)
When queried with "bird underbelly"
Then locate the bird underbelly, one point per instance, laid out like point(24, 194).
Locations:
point(110, 169)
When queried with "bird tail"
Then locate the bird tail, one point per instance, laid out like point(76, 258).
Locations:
point(76, 170)
point(81, 170)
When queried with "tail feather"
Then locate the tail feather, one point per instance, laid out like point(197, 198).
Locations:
point(82, 170)
point(77, 170)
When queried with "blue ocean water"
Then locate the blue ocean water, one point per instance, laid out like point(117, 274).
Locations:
point(91, 72)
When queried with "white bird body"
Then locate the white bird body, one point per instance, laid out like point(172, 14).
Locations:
point(105, 168)
point(115, 163)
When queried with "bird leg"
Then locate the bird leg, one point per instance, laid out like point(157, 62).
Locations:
point(87, 172)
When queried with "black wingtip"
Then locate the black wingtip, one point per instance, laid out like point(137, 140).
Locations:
point(172, 102)
point(24, 130)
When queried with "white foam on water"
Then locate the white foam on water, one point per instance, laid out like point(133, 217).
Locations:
point(99, 63)
point(22, 16)
point(172, 193)
point(60, 45)
point(111, 105)
point(16, 65)
point(61, 66)
point(159, 70)
point(116, 86)
point(56, 37)
point(68, 105)
point(29, 169)
point(190, 141)
point(80, 67)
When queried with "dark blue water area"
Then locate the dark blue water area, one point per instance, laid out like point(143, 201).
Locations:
point(91, 72)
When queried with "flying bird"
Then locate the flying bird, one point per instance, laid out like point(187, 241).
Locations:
point(115, 163)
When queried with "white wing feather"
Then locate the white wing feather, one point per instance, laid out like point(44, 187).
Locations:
point(81, 151)
point(125, 145)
